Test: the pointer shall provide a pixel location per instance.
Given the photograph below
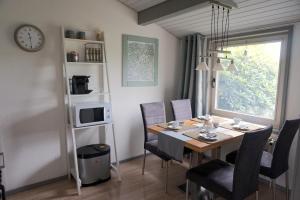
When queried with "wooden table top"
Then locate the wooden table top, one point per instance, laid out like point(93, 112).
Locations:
point(202, 146)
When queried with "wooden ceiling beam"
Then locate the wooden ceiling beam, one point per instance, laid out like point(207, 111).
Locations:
point(171, 8)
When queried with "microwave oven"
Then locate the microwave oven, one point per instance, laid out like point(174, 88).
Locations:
point(91, 113)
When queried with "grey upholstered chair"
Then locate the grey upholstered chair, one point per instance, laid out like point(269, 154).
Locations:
point(233, 183)
point(274, 165)
point(154, 113)
point(182, 109)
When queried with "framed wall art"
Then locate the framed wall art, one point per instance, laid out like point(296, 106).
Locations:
point(140, 61)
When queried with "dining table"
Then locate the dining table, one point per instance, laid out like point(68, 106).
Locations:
point(226, 132)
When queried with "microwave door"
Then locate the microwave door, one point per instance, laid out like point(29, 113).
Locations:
point(91, 116)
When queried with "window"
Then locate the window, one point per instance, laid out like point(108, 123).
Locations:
point(255, 90)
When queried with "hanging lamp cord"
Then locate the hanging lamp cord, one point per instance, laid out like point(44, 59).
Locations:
point(217, 39)
point(227, 27)
point(225, 31)
point(222, 39)
point(215, 36)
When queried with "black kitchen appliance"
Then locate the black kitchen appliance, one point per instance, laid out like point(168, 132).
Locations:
point(80, 85)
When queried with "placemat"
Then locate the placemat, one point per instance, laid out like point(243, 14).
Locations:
point(184, 127)
point(195, 135)
point(250, 126)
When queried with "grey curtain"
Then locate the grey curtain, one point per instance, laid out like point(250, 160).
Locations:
point(194, 83)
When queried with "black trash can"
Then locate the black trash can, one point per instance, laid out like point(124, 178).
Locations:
point(94, 164)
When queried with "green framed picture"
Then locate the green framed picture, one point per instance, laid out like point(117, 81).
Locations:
point(140, 61)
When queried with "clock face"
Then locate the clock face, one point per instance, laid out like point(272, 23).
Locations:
point(29, 38)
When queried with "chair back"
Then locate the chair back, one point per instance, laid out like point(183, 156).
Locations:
point(152, 113)
point(182, 109)
point(282, 148)
point(246, 171)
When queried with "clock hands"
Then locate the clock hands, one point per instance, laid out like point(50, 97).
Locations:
point(30, 39)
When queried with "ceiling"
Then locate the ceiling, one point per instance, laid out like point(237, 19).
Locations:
point(250, 14)
point(139, 5)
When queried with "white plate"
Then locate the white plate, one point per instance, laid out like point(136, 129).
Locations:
point(203, 118)
point(240, 127)
point(205, 137)
point(174, 128)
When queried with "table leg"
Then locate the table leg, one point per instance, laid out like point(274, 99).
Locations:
point(200, 157)
point(216, 153)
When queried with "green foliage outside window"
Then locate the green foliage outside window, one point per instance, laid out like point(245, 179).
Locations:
point(253, 88)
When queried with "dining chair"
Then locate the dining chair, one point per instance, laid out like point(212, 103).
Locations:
point(154, 113)
point(234, 183)
point(2, 188)
point(274, 165)
point(182, 110)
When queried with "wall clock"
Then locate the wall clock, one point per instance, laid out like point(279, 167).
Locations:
point(29, 38)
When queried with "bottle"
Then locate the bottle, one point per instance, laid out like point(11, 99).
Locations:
point(97, 54)
point(87, 55)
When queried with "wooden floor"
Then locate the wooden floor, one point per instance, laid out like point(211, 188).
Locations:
point(134, 186)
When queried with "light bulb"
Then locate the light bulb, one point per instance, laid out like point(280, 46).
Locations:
point(218, 66)
point(232, 67)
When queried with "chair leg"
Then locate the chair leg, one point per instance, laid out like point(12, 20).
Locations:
point(287, 184)
point(191, 160)
point(2, 192)
point(187, 189)
point(256, 195)
point(162, 163)
point(274, 189)
point(144, 162)
point(167, 171)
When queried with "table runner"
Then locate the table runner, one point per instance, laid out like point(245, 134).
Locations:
point(172, 143)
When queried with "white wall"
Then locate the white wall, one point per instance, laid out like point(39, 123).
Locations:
point(293, 108)
point(31, 109)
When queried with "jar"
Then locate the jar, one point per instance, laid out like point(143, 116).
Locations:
point(100, 36)
point(73, 56)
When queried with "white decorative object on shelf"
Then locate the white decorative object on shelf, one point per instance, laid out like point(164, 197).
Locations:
point(98, 66)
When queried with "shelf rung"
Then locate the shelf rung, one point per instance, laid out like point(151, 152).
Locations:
point(85, 63)
point(91, 94)
point(87, 127)
point(83, 41)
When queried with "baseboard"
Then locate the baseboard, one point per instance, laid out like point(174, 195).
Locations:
point(46, 182)
point(264, 180)
point(132, 158)
point(38, 184)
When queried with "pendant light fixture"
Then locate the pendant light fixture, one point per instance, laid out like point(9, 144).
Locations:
point(218, 39)
point(246, 52)
point(218, 66)
point(202, 65)
point(232, 67)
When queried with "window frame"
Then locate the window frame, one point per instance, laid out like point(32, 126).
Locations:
point(281, 86)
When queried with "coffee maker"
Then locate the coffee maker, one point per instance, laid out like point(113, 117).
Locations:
point(80, 85)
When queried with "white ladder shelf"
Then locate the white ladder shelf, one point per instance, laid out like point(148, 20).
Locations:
point(69, 99)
